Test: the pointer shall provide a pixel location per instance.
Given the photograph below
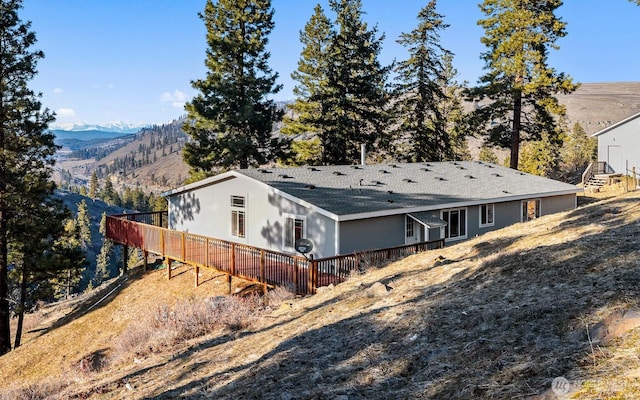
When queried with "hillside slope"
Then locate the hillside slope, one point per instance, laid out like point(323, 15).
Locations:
point(497, 316)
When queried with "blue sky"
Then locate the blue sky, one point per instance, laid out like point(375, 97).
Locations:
point(132, 61)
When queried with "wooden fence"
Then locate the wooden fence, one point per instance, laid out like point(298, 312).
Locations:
point(148, 232)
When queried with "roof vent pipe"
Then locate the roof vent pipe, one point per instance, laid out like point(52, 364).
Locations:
point(363, 153)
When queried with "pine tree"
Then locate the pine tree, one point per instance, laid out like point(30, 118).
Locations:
point(487, 155)
point(104, 258)
point(356, 94)
point(453, 113)
point(94, 187)
point(109, 194)
point(423, 131)
point(37, 233)
point(539, 157)
point(519, 85)
point(26, 149)
point(230, 121)
point(311, 75)
point(578, 150)
point(83, 221)
point(341, 91)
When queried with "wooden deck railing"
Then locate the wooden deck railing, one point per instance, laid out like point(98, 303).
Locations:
point(147, 231)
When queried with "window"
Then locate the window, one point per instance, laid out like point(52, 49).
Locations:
point(530, 210)
point(237, 223)
point(456, 220)
point(293, 230)
point(409, 227)
point(237, 201)
point(486, 215)
point(237, 216)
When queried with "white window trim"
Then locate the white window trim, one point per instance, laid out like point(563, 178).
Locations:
point(526, 201)
point(284, 233)
point(243, 199)
point(244, 220)
point(408, 219)
point(466, 224)
point(492, 223)
point(240, 209)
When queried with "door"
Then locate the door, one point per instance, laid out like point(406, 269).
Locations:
point(614, 159)
point(412, 230)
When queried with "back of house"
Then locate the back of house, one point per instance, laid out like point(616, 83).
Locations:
point(350, 208)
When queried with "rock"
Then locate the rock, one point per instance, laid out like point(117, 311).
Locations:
point(316, 377)
point(328, 288)
point(615, 325)
point(378, 289)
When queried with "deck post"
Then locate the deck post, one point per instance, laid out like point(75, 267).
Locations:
point(233, 258)
point(125, 258)
point(162, 244)
point(295, 275)
point(313, 276)
point(146, 261)
point(229, 277)
point(183, 245)
point(263, 278)
point(197, 269)
point(169, 261)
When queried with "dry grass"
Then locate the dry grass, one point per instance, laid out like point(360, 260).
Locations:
point(498, 316)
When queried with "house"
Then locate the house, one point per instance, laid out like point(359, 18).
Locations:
point(618, 145)
point(343, 209)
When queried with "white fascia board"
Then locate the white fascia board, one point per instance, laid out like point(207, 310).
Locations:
point(459, 204)
point(202, 183)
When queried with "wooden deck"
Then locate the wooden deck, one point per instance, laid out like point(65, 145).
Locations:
point(148, 232)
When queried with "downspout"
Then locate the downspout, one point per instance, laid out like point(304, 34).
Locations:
point(336, 236)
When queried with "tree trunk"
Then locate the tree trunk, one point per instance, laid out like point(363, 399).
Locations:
point(21, 305)
point(5, 331)
point(68, 294)
point(517, 126)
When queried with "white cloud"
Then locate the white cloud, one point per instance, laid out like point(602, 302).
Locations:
point(57, 90)
point(176, 97)
point(65, 113)
point(177, 104)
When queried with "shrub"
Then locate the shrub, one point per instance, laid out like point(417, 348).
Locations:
point(41, 390)
point(167, 326)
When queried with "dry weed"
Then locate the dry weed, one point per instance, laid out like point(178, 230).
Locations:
point(48, 389)
point(167, 326)
point(278, 296)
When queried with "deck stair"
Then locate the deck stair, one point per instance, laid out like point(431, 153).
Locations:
point(599, 174)
point(598, 181)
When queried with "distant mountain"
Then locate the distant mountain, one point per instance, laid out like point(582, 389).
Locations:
point(91, 134)
point(119, 127)
point(72, 141)
point(150, 158)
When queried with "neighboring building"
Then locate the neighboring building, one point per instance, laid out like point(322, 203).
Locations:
point(343, 209)
point(618, 145)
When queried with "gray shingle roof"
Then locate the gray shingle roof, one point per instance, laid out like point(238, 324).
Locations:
point(346, 190)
